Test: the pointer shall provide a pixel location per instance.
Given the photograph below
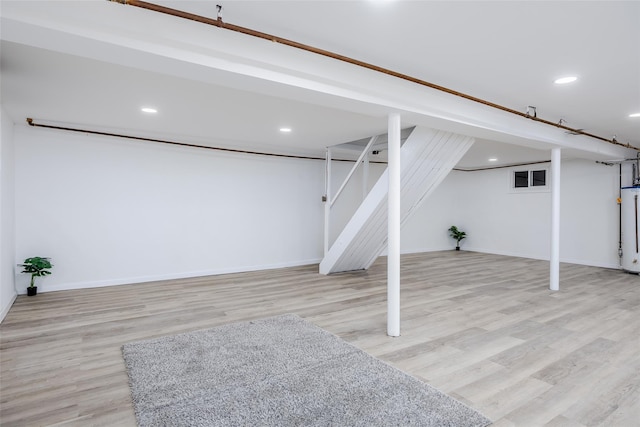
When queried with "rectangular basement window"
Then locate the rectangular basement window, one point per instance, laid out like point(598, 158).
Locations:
point(529, 180)
point(521, 179)
point(539, 178)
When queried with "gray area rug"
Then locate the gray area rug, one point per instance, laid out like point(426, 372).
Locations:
point(279, 371)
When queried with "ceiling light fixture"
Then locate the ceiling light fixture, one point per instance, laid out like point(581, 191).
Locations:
point(565, 80)
point(285, 130)
point(148, 110)
point(634, 115)
point(493, 159)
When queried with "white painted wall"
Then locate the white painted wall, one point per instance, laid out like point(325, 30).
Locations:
point(498, 220)
point(7, 238)
point(111, 211)
point(589, 227)
point(119, 211)
point(426, 230)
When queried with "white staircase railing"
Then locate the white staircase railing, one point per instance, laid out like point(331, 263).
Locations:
point(330, 199)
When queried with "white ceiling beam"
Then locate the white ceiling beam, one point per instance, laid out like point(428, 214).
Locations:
point(113, 32)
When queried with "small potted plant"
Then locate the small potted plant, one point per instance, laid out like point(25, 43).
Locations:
point(457, 234)
point(37, 267)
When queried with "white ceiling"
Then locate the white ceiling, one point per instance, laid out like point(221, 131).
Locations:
point(508, 53)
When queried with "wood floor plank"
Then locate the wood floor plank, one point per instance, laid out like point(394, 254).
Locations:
point(502, 402)
point(484, 328)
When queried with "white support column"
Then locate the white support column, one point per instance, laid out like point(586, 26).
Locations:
point(393, 248)
point(327, 201)
point(554, 260)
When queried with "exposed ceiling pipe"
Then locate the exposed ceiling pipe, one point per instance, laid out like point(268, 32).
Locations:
point(32, 123)
point(220, 24)
point(511, 165)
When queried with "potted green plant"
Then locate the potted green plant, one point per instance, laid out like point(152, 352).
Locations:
point(37, 267)
point(457, 234)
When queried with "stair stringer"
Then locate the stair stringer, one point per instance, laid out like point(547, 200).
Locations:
point(427, 157)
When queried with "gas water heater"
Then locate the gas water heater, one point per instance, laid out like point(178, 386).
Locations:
point(630, 250)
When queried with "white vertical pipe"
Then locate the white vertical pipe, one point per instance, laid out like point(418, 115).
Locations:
point(365, 176)
point(327, 202)
point(554, 261)
point(393, 260)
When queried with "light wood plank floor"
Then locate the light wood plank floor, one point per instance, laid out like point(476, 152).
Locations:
point(483, 328)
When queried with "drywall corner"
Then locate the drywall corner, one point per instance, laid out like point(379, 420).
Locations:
point(7, 215)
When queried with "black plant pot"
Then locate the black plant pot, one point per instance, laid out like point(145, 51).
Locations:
point(32, 290)
point(457, 248)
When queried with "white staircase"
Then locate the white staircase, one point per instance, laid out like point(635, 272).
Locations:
point(427, 157)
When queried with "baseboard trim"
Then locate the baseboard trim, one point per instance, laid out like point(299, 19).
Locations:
point(6, 308)
point(215, 272)
point(184, 275)
point(546, 258)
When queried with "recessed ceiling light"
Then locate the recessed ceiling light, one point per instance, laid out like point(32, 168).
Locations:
point(148, 110)
point(634, 115)
point(493, 159)
point(565, 80)
point(285, 129)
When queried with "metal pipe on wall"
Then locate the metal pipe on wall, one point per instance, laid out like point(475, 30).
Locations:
point(620, 213)
point(636, 219)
